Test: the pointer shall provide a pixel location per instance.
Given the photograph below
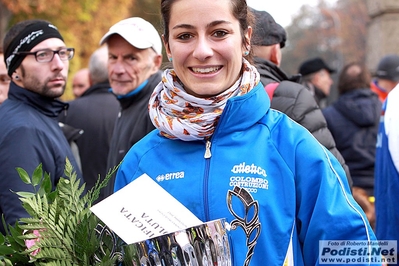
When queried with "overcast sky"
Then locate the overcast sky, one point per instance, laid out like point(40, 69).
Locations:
point(282, 10)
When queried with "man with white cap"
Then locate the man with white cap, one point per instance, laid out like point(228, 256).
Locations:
point(134, 59)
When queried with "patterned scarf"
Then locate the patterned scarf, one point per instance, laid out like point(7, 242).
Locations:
point(179, 115)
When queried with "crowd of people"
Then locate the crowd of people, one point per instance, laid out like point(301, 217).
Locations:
point(322, 171)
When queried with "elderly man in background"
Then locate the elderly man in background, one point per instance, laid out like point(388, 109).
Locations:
point(134, 60)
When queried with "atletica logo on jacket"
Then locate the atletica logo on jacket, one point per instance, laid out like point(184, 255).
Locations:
point(250, 177)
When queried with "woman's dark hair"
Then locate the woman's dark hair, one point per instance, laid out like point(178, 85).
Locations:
point(240, 11)
point(353, 76)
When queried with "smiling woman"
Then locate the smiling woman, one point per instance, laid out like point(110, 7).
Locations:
point(207, 57)
point(240, 160)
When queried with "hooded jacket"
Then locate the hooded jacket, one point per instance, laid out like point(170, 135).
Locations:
point(298, 197)
point(29, 136)
point(294, 100)
point(353, 121)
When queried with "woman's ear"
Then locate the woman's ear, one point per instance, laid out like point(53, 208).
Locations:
point(167, 48)
point(248, 36)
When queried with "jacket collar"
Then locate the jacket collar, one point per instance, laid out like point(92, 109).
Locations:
point(48, 106)
point(242, 112)
point(144, 93)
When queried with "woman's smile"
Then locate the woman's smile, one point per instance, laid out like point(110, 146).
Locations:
point(205, 70)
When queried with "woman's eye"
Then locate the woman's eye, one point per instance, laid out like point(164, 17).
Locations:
point(219, 33)
point(184, 36)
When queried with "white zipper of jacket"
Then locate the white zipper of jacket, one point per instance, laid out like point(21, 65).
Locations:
point(208, 149)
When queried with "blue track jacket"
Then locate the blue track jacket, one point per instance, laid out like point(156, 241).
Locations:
point(300, 189)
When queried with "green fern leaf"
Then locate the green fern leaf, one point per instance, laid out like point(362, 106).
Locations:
point(23, 194)
point(45, 186)
point(23, 175)
point(67, 227)
point(37, 175)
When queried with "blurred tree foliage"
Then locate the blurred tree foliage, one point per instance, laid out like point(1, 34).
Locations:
point(337, 34)
point(149, 10)
point(82, 23)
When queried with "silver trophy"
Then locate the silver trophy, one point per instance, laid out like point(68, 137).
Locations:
point(203, 245)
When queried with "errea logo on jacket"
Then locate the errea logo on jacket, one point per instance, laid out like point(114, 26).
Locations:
point(250, 177)
point(169, 176)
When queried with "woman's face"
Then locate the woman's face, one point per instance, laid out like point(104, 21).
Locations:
point(205, 45)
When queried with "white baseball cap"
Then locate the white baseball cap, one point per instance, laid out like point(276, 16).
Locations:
point(138, 32)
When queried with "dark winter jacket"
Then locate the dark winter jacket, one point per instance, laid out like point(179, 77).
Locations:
point(132, 124)
point(353, 121)
point(29, 136)
point(293, 99)
point(95, 112)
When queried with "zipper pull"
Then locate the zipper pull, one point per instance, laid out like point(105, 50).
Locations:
point(65, 111)
point(208, 149)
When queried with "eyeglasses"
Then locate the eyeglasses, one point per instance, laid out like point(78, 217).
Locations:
point(4, 79)
point(47, 55)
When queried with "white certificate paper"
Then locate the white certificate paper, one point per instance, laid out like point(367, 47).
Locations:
point(135, 214)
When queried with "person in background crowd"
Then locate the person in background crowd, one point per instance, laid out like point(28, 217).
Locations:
point(4, 78)
point(353, 120)
point(386, 76)
point(95, 112)
point(290, 97)
point(80, 82)
point(222, 151)
point(386, 186)
point(316, 76)
point(37, 62)
point(134, 59)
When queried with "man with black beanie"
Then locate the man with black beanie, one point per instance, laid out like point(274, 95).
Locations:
point(37, 63)
point(289, 97)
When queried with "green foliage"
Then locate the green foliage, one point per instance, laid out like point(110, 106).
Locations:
point(61, 223)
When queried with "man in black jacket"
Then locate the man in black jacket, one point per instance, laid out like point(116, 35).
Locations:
point(289, 97)
point(37, 61)
point(135, 56)
point(94, 112)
